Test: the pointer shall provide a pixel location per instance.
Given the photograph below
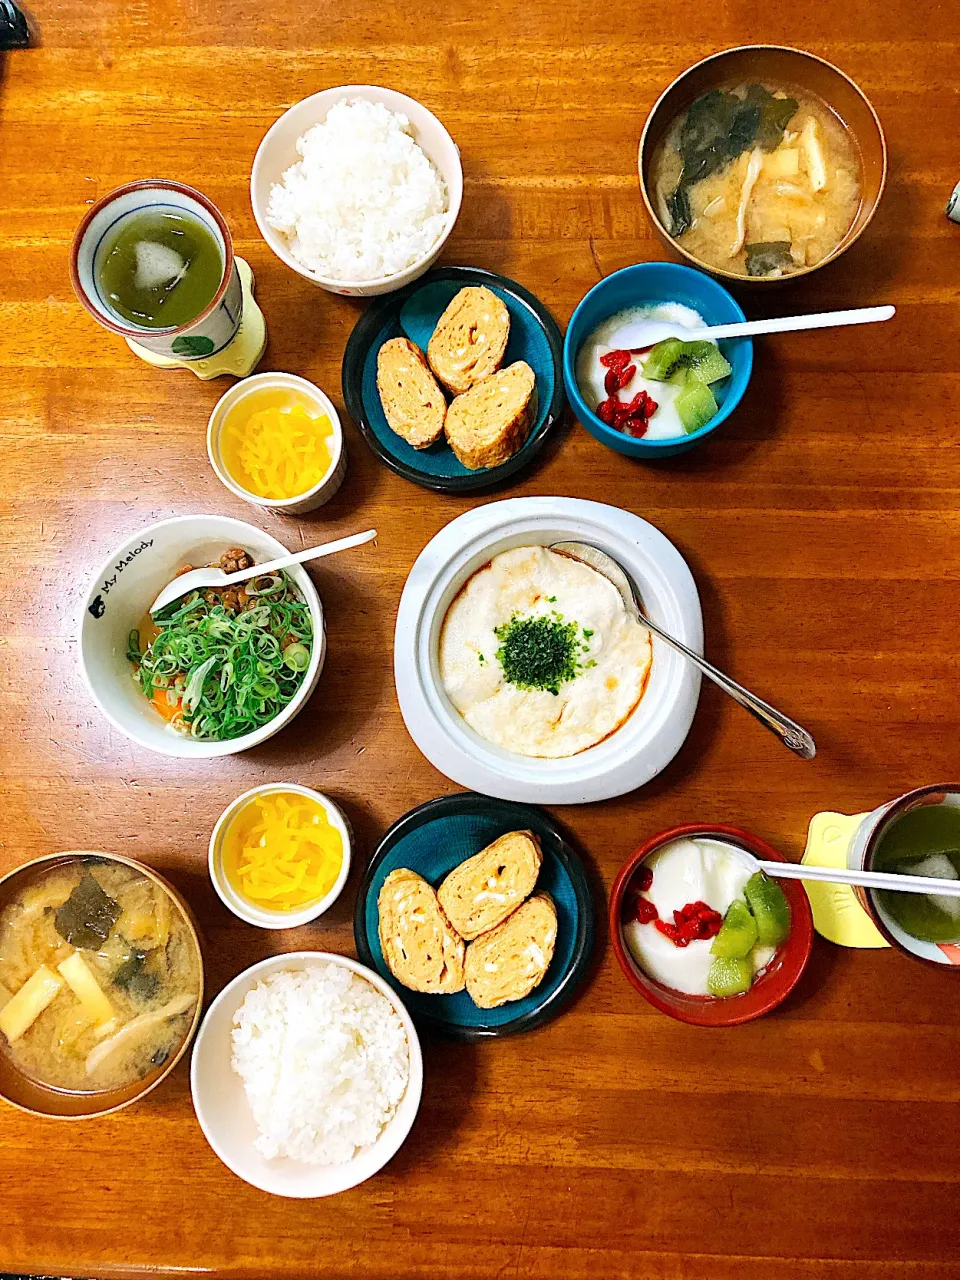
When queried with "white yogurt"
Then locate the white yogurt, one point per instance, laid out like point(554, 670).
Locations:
point(685, 871)
point(665, 423)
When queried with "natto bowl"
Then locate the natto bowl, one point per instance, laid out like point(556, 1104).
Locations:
point(770, 990)
point(19, 1089)
point(792, 69)
point(652, 283)
point(118, 599)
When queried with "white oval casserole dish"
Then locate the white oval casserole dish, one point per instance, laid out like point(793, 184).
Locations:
point(631, 756)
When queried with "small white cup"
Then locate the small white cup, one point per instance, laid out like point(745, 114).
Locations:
point(263, 917)
point(314, 399)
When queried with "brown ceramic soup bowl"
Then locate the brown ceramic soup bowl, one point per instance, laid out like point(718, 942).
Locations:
point(790, 69)
point(29, 1095)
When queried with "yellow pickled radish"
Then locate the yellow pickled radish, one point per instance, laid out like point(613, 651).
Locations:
point(277, 451)
point(281, 852)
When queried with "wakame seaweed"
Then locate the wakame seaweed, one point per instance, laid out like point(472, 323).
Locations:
point(135, 979)
point(718, 128)
point(88, 915)
point(767, 256)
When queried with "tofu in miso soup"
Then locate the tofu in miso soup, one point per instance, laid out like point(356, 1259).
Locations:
point(757, 180)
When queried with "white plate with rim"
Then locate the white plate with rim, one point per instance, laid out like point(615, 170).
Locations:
point(224, 1114)
point(631, 756)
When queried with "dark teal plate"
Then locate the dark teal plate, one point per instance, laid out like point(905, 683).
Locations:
point(413, 313)
point(434, 838)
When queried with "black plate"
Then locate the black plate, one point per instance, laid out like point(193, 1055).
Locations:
point(413, 313)
point(434, 838)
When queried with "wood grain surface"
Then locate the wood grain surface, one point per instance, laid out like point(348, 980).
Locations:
point(822, 524)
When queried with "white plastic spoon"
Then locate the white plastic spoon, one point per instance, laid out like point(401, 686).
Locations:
point(204, 579)
point(865, 879)
point(639, 335)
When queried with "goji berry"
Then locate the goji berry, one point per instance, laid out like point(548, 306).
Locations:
point(611, 382)
point(607, 409)
point(694, 921)
point(615, 359)
point(646, 911)
point(643, 878)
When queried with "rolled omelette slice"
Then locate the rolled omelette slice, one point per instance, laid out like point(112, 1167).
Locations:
point(482, 891)
point(413, 404)
point(488, 424)
point(420, 947)
point(509, 961)
point(470, 339)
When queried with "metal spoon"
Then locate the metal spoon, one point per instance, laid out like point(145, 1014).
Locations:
point(639, 335)
point(203, 579)
point(788, 731)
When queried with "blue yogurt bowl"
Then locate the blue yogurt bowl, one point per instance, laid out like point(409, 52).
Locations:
point(647, 284)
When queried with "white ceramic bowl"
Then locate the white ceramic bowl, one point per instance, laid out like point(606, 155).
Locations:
point(122, 590)
point(224, 1113)
point(313, 399)
point(628, 758)
point(278, 151)
point(262, 917)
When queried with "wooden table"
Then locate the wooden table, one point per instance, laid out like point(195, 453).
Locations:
point(822, 527)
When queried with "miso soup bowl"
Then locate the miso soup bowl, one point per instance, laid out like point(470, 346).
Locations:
point(58, 1104)
point(278, 151)
point(651, 284)
point(793, 69)
point(770, 990)
point(122, 590)
point(863, 849)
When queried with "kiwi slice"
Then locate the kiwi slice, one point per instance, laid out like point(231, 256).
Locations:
point(770, 910)
point(695, 404)
point(668, 361)
point(663, 360)
point(730, 976)
point(704, 359)
point(738, 933)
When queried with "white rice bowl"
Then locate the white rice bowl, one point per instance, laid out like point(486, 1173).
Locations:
point(364, 201)
point(324, 1061)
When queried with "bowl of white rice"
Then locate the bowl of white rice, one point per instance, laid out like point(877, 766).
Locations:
point(357, 189)
point(306, 1074)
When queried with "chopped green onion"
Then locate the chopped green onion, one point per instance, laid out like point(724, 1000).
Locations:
point(234, 670)
point(297, 656)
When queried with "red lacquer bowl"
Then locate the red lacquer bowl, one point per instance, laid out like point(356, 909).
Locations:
point(769, 990)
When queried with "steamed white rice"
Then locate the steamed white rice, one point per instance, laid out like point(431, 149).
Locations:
point(364, 201)
point(324, 1062)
